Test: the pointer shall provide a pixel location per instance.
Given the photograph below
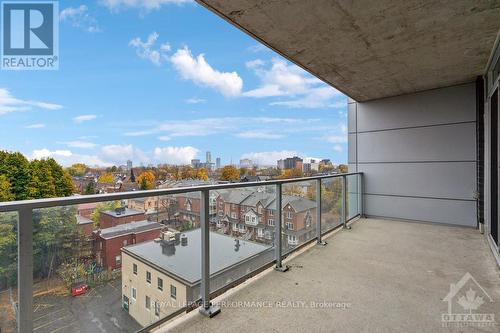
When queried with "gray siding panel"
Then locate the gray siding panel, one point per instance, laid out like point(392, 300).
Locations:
point(433, 107)
point(418, 155)
point(435, 180)
point(440, 143)
point(461, 213)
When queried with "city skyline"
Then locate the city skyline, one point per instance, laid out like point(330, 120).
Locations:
point(146, 84)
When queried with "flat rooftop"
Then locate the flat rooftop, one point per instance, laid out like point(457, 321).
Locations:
point(127, 228)
point(185, 261)
point(123, 213)
point(393, 275)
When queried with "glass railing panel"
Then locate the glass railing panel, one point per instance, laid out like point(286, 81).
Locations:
point(242, 229)
point(298, 214)
point(8, 271)
point(331, 203)
point(352, 199)
point(116, 266)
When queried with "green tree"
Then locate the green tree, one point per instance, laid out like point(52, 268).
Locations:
point(96, 214)
point(90, 188)
point(16, 168)
point(5, 191)
point(77, 170)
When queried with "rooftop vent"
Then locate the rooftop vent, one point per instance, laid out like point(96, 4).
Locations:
point(184, 240)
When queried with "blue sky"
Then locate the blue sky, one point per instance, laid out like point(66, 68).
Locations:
point(162, 81)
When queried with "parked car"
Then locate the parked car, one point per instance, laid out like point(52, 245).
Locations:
point(79, 289)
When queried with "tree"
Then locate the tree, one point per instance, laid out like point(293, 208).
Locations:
point(106, 178)
point(90, 188)
point(291, 173)
point(5, 191)
point(230, 173)
point(77, 170)
point(96, 214)
point(202, 174)
point(343, 168)
point(132, 176)
point(16, 168)
point(146, 180)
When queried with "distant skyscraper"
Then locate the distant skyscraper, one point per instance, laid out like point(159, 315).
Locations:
point(195, 163)
point(129, 164)
point(209, 157)
point(217, 163)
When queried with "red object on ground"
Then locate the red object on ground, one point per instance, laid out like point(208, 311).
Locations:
point(80, 289)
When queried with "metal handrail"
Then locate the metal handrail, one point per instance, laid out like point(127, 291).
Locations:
point(76, 200)
point(25, 230)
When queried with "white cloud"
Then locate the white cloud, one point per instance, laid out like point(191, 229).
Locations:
point(67, 158)
point(33, 126)
point(195, 100)
point(45, 153)
point(80, 18)
point(120, 153)
point(9, 103)
point(269, 157)
point(257, 134)
point(83, 118)
point(338, 148)
point(335, 138)
point(175, 155)
point(200, 72)
point(141, 4)
point(80, 144)
point(244, 127)
point(146, 50)
point(286, 80)
point(164, 138)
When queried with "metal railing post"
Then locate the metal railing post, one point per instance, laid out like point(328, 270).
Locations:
point(360, 195)
point(207, 309)
point(25, 270)
point(344, 202)
point(318, 212)
point(278, 222)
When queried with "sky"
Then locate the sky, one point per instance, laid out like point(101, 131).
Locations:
point(163, 81)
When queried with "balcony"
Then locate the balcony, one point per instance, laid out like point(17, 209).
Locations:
point(384, 276)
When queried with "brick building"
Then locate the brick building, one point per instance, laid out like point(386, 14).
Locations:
point(112, 218)
point(108, 242)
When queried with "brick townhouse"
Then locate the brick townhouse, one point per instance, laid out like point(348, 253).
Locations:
point(109, 241)
point(250, 214)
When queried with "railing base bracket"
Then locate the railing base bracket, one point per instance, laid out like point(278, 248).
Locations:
point(347, 227)
point(211, 311)
point(321, 243)
point(282, 268)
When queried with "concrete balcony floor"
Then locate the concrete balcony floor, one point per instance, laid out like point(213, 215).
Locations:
point(393, 274)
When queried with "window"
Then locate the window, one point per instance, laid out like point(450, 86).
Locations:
point(292, 240)
point(134, 294)
point(148, 303)
point(157, 308)
point(100, 245)
point(148, 277)
point(134, 269)
point(260, 232)
point(247, 218)
point(271, 212)
point(259, 209)
point(235, 227)
point(125, 242)
point(289, 225)
point(118, 260)
point(270, 222)
point(173, 291)
point(160, 284)
point(233, 215)
point(288, 215)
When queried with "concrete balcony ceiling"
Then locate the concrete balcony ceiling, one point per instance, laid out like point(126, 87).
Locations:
point(371, 50)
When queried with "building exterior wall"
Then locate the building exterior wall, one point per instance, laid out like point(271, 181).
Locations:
point(137, 307)
point(108, 221)
point(418, 155)
point(107, 250)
